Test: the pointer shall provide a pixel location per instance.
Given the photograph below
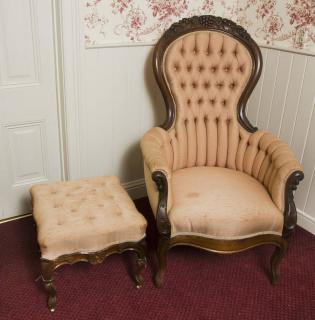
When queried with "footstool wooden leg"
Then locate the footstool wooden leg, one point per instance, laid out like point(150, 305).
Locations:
point(48, 268)
point(141, 263)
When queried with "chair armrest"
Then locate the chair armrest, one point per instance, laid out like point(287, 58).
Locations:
point(156, 150)
point(276, 167)
point(157, 154)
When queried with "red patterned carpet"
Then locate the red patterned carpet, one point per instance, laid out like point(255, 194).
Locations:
point(199, 285)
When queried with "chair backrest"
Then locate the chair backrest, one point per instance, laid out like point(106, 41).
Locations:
point(206, 68)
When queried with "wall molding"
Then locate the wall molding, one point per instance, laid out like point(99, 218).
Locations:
point(306, 221)
point(136, 188)
point(60, 89)
point(153, 43)
point(70, 43)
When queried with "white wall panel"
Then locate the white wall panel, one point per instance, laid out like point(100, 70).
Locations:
point(18, 50)
point(291, 116)
point(283, 75)
point(27, 152)
point(293, 97)
point(117, 111)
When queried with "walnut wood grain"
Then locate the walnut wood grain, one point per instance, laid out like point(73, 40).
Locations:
point(49, 266)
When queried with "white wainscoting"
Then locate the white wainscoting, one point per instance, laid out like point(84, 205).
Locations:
point(283, 102)
point(112, 99)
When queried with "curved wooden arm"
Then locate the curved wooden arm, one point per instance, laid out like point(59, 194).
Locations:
point(290, 216)
point(162, 221)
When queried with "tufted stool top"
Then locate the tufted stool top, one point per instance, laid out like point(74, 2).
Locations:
point(84, 216)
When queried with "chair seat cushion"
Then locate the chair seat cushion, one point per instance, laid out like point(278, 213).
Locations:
point(221, 203)
point(84, 216)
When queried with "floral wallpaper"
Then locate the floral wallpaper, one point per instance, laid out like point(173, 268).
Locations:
point(288, 23)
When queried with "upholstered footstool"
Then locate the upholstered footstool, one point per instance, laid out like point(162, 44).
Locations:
point(85, 220)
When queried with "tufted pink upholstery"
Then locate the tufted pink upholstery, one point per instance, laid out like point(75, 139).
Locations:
point(206, 73)
point(84, 216)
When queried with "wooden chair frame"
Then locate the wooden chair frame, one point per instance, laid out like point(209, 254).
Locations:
point(165, 241)
point(49, 266)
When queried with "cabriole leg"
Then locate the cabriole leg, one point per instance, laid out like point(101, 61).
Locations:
point(275, 261)
point(47, 277)
point(141, 263)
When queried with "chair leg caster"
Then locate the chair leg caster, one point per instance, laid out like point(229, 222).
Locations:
point(51, 301)
point(141, 264)
point(139, 281)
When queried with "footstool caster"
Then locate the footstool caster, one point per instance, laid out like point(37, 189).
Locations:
point(86, 220)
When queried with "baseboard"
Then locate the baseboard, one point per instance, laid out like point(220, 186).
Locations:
point(136, 188)
point(306, 221)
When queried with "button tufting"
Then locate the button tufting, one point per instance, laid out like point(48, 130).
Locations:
point(200, 101)
point(213, 69)
point(219, 85)
point(235, 52)
point(189, 102)
point(241, 69)
point(227, 68)
point(212, 101)
point(206, 85)
point(224, 102)
point(189, 68)
point(182, 51)
point(201, 68)
point(232, 85)
point(194, 85)
point(183, 85)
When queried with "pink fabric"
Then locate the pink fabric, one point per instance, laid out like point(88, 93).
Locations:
point(206, 73)
point(221, 203)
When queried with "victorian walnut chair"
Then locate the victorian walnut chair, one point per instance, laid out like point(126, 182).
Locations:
point(214, 181)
